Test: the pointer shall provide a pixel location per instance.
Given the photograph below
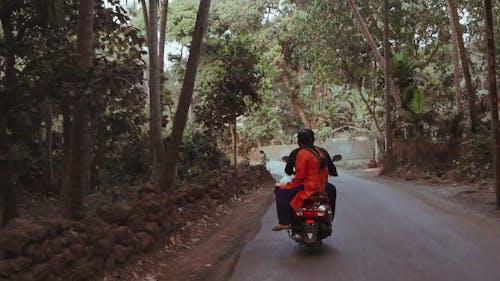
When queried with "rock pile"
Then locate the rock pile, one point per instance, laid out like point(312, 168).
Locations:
point(58, 249)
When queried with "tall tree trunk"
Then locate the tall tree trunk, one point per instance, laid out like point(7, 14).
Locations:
point(388, 157)
point(314, 109)
point(80, 150)
point(234, 141)
point(49, 140)
point(290, 90)
point(163, 32)
point(456, 65)
point(373, 48)
point(155, 127)
point(167, 178)
point(457, 78)
point(453, 10)
point(492, 82)
point(8, 175)
point(145, 15)
point(66, 115)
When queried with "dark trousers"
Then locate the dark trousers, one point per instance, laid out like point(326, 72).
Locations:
point(285, 196)
point(331, 190)
point(283, 199)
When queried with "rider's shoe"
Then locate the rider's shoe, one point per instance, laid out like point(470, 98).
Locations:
point(280, 227)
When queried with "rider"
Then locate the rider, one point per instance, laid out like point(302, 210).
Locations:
point(311, 175)
point(330, 189)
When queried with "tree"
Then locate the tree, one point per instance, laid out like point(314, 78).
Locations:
point(373, 48)
point(7, 181)
point(155, 122)
point(228, 85)
point(388, 157)
point(168, 172)
point(458, 42)
point(80, 150)
point(163, 31)
point(492, 83)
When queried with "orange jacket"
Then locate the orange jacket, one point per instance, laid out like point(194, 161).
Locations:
point(308, 174)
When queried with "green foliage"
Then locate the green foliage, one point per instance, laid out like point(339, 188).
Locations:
point(181, 19)
point(228, 81)
point(200, 154)
point(46, 74)
point(417, 103)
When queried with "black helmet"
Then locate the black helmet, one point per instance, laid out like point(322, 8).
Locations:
point(305, 137)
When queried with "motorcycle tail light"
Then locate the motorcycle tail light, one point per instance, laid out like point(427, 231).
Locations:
point(310, 213)
point(310, 221)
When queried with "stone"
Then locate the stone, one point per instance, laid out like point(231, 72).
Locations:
point(72, 236)
point(78, 250)
point(154, 229)
point(103, 247)
point(151, 206)
point(121, 253)
point(136, 223)
point(21, 264)
point(117, 213)
point(36, 253)
point(41, 271)
point(57, 263)
point(145, 241)
point(6, 268)
point(26, 276)
point(124, 236)
point(82, 270)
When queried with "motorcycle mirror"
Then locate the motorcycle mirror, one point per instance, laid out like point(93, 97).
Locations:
point(337, 158)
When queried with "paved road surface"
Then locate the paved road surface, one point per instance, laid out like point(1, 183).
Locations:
point(384, 231)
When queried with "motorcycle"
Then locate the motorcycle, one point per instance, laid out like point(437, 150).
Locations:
point(313, 221)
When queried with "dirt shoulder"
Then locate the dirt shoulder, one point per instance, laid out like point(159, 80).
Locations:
point(206, 248)
point(479, 196)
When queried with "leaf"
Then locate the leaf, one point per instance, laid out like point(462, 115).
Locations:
point(417, 104)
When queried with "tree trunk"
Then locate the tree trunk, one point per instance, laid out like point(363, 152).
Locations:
point(290, 91)
point(155, 127)
point(234, 140)
point(457, 78)
point(314, 109)
point(163, 31)
point(492, 82)
point(8, 175)
point(373, 48)
point(167, 178)
point(388, 157)
point(80, 150)
point(453, 10)
point(145, 15)
point(49, 141)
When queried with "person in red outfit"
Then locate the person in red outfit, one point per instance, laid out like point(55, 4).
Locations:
point(311, 175)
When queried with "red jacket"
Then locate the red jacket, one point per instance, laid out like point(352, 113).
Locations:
point(308, 174)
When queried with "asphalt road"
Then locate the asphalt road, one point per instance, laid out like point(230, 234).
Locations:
point(384, 230)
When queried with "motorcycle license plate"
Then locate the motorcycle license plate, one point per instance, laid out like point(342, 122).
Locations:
point(310, 233)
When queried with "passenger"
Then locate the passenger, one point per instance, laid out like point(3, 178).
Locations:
point(311, 175)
